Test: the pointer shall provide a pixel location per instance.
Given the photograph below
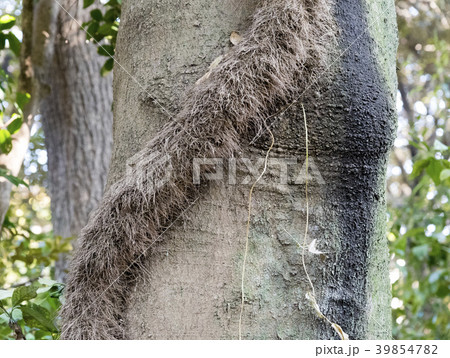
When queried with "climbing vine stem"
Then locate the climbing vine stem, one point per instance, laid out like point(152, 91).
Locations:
point(311, 296)
point(248, 228)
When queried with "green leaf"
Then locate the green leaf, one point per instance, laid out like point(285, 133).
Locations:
point(87, 3)
point(11, 178)
point(5, 294)
point(43, 289)
point(38, 317)
point(14, 43)
point(420, 251)
point(56, 291)
point(435, 276)
point(97, 15)
point(111, 15)
point(419, 166)
point(6, 22)
point(42, 335)
point(22, 99)
point(16, 314)
point(92, 29)
point(114, 2)
point(439, 146)
point(106, 50)
point(23, 293)
point(5, 141)
point(47, 281)
point(98, 37)
point(445, 174)
point(48, 285)
point(108, 66)
point(107, 29)
point(442, 291)
point(415, 232)
point(417, 144)
point(4, 318)
point(2, 40)
point(15, 124)
point(434, 170)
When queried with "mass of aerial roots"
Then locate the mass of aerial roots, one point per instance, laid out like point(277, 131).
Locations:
point(286, 48)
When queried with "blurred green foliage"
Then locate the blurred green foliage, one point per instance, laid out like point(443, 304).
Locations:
point(419, 243)
point(13, 102)
point(29, 300)
point(418, 185)
point(28, 252)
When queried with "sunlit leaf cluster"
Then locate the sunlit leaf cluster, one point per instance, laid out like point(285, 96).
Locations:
point(102, 29)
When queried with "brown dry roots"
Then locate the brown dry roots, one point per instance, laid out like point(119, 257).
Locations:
point(284, 49)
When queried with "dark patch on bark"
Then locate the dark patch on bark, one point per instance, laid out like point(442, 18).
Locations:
point(352, 125)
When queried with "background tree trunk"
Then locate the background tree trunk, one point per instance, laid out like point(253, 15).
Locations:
point(191, 288)
point(75, 103)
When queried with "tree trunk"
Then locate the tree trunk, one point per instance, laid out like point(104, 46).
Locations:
point(75, 103)
point(192, 286)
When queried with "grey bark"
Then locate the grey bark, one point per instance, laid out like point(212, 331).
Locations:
point(191, 288)
point(75, 103)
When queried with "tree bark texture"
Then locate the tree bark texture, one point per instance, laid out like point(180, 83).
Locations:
point(75, 104)
point(191, 288)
